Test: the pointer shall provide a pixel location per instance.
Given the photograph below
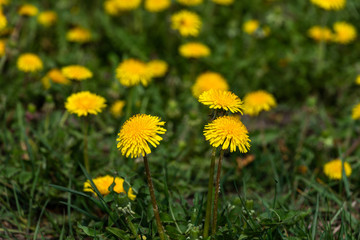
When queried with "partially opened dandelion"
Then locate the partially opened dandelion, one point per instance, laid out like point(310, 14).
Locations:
point(76, 72)
point(133, 141)
point(258, 101)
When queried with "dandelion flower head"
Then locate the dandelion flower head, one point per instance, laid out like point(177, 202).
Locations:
point(57, 77)
point(103, 183)
point(329, 4)
point(28, 10)
point(357, 81)
point(344, 33)
point(76, 72)
point(356, 112)
point(319, 33)
point(333, 169)
point(157, 68)
point(2, 47)
point(186, 22)
point(251, 26)
point(157, 5)
point(220, 99)
point(194, 50)
point(127, 5)
point(47, 18)
point(110, 7)
point(79, 35)
point(117, 108)
point(190, 2)
point(3, 21)
point(258, 101)
point(29, 62)
point(207, 81)
point(132, 72)
point(223, 2)
point(228, 131)
point(136, 134)
point(84, 103)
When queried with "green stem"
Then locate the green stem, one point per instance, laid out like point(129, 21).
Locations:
point(153, 200)
point(217, 191)
point(209, 195)
point(132, 228)
point(129, 103)
point(86, 156)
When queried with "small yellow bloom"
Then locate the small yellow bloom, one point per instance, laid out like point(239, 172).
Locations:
point(76, 72)
point(116, 108)
point(3, 21)
point(2, 47)
point(330, 4)
point(79, 35)
point(127, 5)
point(356, 112)
point(251, 26)
point(136, 134)
point(111, 7)
point(319, 33)
point(157, 5)
point(223, 2)
point(357, 81)
point(28, 10)
point(258, 101)
point(84, 103)
point(47, 18)
point(157, 68)
point(4, 2)
point(194, 50)
point(344, 33)
point(186, 22)
point(103, 183)
point(132, 72)
point(228, 131)
point(56, 76)
point(190, 2)
point(220, 99)
point(207, 81)
point(29, 62)
point(333, 169)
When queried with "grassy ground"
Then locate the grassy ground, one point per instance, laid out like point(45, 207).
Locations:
point(276, 191)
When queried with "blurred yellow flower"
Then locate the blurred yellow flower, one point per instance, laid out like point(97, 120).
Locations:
point(29, 62)
point(344, 32)
point(357, 81)
point(356, 112)
point(76, 72)
point(56, 76)
point(28, 10)
point(111, 7)
point(207, 81)
point(157, 5)
point(117, 108)
point(127, 5)
point(84, 103)
point(333, 169)
point(319, 33)
point(255, 102)
point(132, 72)
point(250, 26)
point(103, 183)
point(47, 18)
point(186, 22)
point(228, 131)
point(79, 35)
point(220, 99)
point(330, 4)
point(190, 2)
point(4, 2)
point(157, 68)
point(194, 50)
point(3, 21)
point(2, 47)
point(136, 134)
point(223, 2)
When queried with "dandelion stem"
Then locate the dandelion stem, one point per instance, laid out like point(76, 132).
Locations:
point(153, 200)
point(209, 195)
point(217, 191)
point(86, 156)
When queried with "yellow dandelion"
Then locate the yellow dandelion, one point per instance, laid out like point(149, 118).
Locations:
point(333, 169)
point(228, 131)
point(84, 103)
point(47, 18)
point(220, 99)
point(136, 134)
point(223, 2)
point(57, 76)
point(357, 81)
point(3, 21)
point(207, 81)
point(251, 26)
point(111, 7)
point(186, 22)
point(79, 35)
point(194, 50)
point(319, 33)
point(28, 10)
point(190, 2)
point(127, 5)
point(330, 4)
point(258, 101)
point(29, 62)
point(4, 2)
point(344, 33)
point(2, 47)
point(76, 72)
point(356, 112)
point(132, 72)
point(103, 184)
point(117, 108)
point(157, 68)
point(157, 5)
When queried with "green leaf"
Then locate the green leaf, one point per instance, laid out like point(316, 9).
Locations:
point(121, 234)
